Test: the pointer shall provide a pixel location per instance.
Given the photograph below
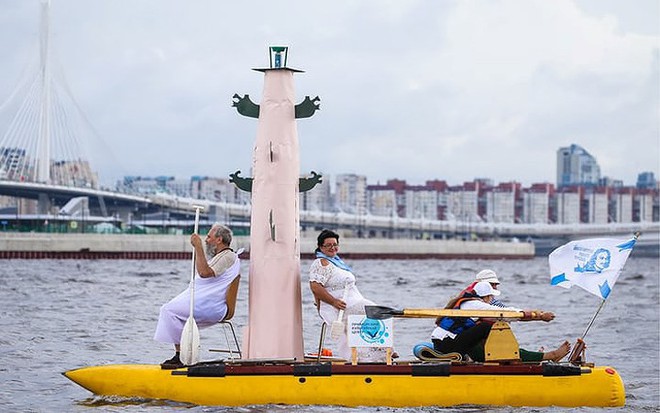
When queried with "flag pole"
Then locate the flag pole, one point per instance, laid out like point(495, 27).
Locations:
point(578, 350)
point(593, 319)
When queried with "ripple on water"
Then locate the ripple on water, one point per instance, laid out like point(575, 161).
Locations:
point(59, 315)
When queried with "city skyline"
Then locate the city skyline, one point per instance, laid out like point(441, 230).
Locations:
point(413, 91)
point(607, 180)
point(436, 200)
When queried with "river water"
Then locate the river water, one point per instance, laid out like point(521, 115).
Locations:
point(63, 314)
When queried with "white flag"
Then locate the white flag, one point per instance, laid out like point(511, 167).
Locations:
point(592, 264)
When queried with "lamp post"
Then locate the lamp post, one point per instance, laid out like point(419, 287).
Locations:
point(18, 208)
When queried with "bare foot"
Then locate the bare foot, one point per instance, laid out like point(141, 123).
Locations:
point(559, 353)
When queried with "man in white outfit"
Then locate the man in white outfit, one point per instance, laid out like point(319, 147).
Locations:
point(211, 283)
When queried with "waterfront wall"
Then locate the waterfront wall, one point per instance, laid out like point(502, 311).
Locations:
point(131, 246)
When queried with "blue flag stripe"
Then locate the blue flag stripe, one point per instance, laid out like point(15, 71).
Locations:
point(605, 289)
point(558, 279)
point(626, 245)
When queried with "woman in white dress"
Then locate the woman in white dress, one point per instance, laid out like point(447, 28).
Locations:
point(329, 275)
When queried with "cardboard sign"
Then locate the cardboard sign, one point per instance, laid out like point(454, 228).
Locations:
point(367, 332)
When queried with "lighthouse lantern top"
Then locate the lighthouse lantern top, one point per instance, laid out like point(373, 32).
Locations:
point(278, 56)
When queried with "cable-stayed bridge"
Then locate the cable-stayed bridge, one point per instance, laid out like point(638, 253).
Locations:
point(48, 137)
point(180, 211)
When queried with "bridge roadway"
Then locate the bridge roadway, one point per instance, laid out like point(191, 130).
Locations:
point(126, 207)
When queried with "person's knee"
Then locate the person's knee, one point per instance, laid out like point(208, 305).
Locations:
point(166, 310)
point(484, 328)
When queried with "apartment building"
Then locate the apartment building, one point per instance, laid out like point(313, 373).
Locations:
point(463, 202)
point(503, 203)
point(569, 200)
point(596, 205)
point(381, 200)
point(351, 193)
point(622, 205)
point(576, 166)
point(318, 198)
point(536, 203)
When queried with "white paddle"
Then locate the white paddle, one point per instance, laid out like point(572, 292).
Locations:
point(190, 334)
point(337, 327)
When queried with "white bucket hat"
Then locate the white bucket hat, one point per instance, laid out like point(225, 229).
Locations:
point(483, 288)
point(487, 275)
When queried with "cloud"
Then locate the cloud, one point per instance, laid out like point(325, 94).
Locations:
point(415, 90)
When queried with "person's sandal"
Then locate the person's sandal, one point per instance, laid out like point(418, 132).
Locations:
point(171, 364)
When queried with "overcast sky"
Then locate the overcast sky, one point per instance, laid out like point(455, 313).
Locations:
point(416, 90)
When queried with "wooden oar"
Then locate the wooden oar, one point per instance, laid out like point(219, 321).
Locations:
point(190, 334)
point(380, 313)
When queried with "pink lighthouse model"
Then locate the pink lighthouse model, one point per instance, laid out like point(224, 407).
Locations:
point(275, 315)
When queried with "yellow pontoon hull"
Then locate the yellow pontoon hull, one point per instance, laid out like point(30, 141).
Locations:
point(600, 386)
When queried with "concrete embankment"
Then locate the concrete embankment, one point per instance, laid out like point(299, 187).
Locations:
point(128, 246)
